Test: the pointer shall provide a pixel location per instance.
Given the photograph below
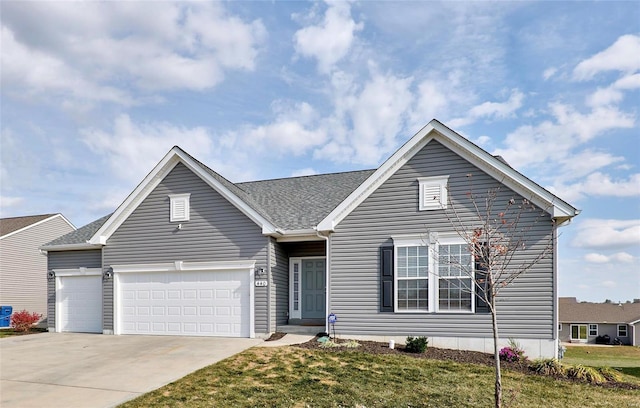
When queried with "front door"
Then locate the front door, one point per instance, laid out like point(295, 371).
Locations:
point(313, 288)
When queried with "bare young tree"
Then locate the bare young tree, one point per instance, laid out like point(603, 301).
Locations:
point(500, 231)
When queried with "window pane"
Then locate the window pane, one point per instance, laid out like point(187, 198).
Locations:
point(583, 332)
point(454, 294)
point(413, 294)
point(574, 332)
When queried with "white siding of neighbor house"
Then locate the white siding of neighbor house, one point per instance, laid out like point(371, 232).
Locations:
point(67, 260)
point(23, 269)
point(525, 307)
point(216, 231)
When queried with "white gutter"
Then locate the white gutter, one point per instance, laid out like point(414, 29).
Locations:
point(70, 247)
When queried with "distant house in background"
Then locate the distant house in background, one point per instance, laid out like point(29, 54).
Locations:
point(23, 268)
point(583, 322)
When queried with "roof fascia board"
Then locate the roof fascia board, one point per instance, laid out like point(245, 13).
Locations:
point(69, 247)
point(38, 223)
point(136, 197)
point(299, 236)
point(375, 180)
point(153, 179)
point(504, 173)
point(494, 167)
point(267, 227)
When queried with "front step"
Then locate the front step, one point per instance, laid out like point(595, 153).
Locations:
point(290, 328)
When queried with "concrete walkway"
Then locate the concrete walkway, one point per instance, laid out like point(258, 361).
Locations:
point(288, 340)
point(92, 370)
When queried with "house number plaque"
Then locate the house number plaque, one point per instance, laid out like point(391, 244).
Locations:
point(261, 282)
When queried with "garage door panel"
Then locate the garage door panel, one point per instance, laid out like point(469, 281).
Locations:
point(203, 303)
point(80, 301)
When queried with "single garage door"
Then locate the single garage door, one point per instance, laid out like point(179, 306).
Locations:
point(79, 299)
point(196, 303)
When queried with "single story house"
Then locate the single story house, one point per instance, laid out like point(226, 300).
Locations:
point(23, 280)
point(583, 322)
point(191, 253)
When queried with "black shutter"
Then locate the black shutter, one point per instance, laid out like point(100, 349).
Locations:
point(480, 270)
point(386, 279)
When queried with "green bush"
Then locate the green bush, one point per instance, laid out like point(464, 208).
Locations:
point(351, 344)
point(416, 344)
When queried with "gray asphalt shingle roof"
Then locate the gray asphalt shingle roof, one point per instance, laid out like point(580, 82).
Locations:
point(572, 311)
point(288, 203)
point(81, 235)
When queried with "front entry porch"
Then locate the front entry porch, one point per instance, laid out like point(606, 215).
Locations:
point(307, 297)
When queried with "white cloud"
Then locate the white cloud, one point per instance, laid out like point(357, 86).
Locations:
point(307, 171)
point(599, 184)
point(609, 284)
point(621, 56)
point(555, 140)
point(331, 40)
point(549, 72)
point(100, 51)
point(497, 110)
point(131, 150)
point(621, 257)
point(607, 233)
point(7, 202)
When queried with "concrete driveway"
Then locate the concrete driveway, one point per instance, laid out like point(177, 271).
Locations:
point(93, 370)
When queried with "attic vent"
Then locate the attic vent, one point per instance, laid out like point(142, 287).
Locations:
point(433, 193)
point(179, 207)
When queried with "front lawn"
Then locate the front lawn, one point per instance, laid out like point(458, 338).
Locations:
point(296, 377)
point(624, 358)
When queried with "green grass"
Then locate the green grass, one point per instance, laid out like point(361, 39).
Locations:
point(292, 377)
point(11, 332)
point(626, 359)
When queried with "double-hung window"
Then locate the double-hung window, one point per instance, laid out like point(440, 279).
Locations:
point(432, 275)
point(622, 330)
point(412, 278)
point(455, 286)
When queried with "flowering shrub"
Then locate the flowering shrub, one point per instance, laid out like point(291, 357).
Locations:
point(513, 352)
point(22, 321)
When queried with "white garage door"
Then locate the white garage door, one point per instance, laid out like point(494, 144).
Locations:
point(79, 299)
point(196, 303)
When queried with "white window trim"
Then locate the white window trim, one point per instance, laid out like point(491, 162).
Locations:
point(626, 330)
point(173, 198)
point(589, 330)
point(578, 338)
point(431, 241)
point(435, 181)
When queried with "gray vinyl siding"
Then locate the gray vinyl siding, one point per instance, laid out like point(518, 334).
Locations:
point(525, 307)
point(603, 328)
point(23, 269)
point(280, 279)
point(67, 260)
point(216, 231)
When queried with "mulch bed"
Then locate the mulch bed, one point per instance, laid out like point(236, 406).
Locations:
point(276, 336)
point(433, 353)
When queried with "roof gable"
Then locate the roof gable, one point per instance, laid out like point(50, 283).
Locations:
point(495, 167)
point(14, 225)
point(176, 155)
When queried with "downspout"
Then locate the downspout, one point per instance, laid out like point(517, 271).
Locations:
point(269, 282)
point(556, 317)
point(326, 279)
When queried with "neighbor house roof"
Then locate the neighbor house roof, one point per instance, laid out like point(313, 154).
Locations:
point(79, 236)
point(12, 225)
point(572, 311)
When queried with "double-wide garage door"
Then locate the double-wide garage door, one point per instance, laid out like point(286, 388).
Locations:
point(197, 303)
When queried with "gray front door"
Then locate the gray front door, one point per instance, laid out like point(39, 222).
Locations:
point(313, 288)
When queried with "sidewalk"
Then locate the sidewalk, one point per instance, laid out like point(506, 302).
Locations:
point(287, 340)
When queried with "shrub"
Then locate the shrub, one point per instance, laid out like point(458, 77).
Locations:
point(22, 321)
point(548, 366)
point(509, 354)
point(351, 344)
point(416, 344)
point(329, 344)
point(610, 374)
point(588, 374)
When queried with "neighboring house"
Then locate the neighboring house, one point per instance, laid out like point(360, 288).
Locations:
point(582, 322)
point(191, 253)
point(23, 267)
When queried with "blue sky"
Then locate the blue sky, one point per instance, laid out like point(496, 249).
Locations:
point(94, 94)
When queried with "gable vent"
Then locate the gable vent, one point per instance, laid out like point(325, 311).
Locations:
point(179, 207)
point(433, 193)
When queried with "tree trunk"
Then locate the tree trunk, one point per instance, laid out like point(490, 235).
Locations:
point(496, 355)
